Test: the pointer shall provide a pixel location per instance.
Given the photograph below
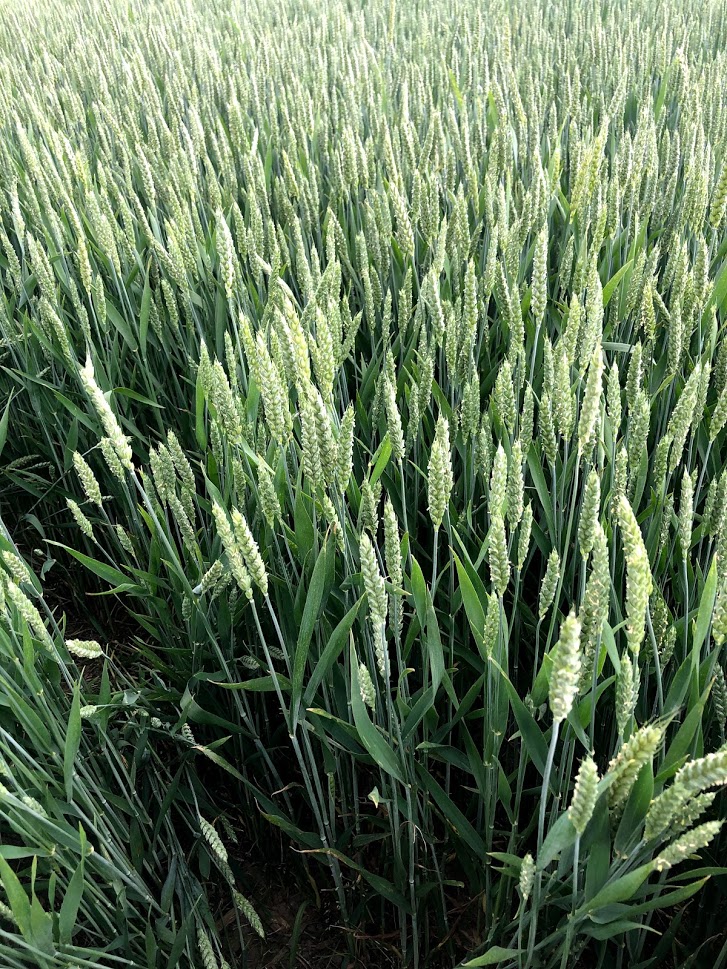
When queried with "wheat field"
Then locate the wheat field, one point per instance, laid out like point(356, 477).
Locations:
point(363, 405)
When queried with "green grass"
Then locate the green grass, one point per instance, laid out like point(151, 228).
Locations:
point(363, 381)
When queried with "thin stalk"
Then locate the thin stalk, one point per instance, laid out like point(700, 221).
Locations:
point(686, 610)
point(404, 513)
point(541, 832)
point(564, 557)
point(702, 473)
point(569, 932)
point(434, 561)
point(657, 664)
point(594, 684)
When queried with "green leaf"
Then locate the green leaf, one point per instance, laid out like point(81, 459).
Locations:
point(682, 742)
point(200, 430)
point(121, 325)
point(428, 621)
point(719, 293)
point(452, 814)
point(417, 713)
point(455, 88)
point(613, 282)
point(598, 841)
point(610, 642)
point(295, 934)
point(331, 653)
point(380, 885)
point(41, 927)
point(103, 571)
point(678, 688)
point(536, 473)
point(636, 808)
point(303, 525)
point(144, 314)
point(150, 946)
point(492, 957)
point(16, 852)
point(71, 903)
point(180, 940)
point(612, 929)
point(515, 861)
point(286, 825)
point(261, 684)
point(433, 643)
point(193, 711)
point(73, 742)
point(706, 607)
point(661, 95)
point(620, 890)
point(135, 395)
point(168, 887)
point(220, 761)
point(4, 424)
point(381, 461)
point(370, 737)
point(313, 601)
point(472, 605)
point(532, 735)
point(697, 873)
point(419, 592)
point(17, 899)
point(663, 900)
point(561, 836)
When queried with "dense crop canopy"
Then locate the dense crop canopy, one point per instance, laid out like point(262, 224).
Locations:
point(363, 390)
